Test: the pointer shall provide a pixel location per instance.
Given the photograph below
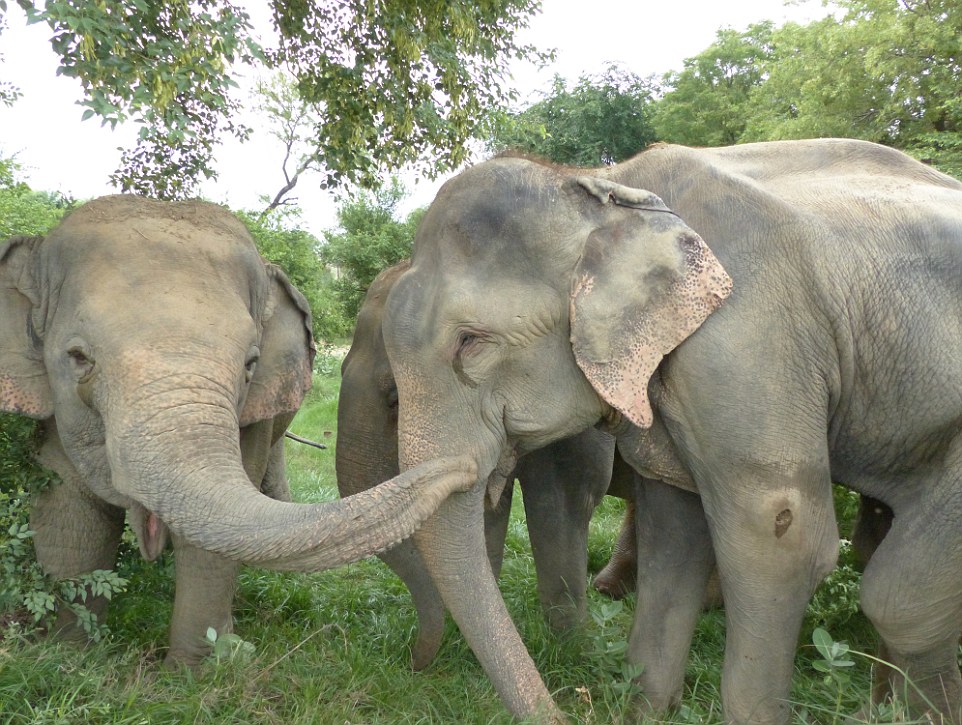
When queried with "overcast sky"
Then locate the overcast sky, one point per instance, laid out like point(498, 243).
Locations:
point(61, 153)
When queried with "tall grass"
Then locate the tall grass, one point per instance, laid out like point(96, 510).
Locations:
point(332, 648)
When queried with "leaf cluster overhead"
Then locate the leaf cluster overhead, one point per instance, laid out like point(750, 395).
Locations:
point(390, 82)
point(882, 70)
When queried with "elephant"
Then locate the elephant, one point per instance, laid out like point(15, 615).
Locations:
point(561, 485)
point(750, 323)
point(165, 359)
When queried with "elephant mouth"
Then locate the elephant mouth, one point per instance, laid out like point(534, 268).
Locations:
point(151, 532)
point(498, 478)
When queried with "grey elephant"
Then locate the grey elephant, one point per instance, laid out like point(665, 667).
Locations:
point(165, 359)
point(561, 486)
point(750, 323)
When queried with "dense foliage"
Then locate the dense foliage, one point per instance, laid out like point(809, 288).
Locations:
point(707, 102)
point(390, 83)
point(601, 119)
point(881, 70)
point(369, 238)
point(24, 211)
point(295, 251)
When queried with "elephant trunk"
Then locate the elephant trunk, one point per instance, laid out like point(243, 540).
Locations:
point(452, 544)
point(192, 478)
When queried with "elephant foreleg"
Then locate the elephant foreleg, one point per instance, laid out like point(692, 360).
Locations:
point(871, 525)
point(74, 533)
point(916, 608)
point(675, 558)
point(204, 593)
point(405, 561)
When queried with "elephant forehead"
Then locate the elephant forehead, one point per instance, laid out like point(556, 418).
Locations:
point(427, 311)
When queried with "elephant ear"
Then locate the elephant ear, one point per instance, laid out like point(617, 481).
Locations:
point(24, 387)
point(283, 373)
point(644, 283)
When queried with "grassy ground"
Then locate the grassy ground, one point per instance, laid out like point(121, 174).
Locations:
point(332, 648)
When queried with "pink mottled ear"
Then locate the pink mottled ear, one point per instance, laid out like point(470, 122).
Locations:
point(24, 387)
point(283, 373)
point(645, 282)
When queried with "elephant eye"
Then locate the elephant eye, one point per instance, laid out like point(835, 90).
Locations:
point(81, 361)
point(467, 342)
point(252, 357)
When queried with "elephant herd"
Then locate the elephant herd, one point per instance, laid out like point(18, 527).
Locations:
point(715, 335)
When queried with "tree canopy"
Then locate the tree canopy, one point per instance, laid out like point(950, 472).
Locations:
point(881, 70)
point(601, 119)
point(370, 238)
point(705, 103)
point(390, 83)
point(884, 70)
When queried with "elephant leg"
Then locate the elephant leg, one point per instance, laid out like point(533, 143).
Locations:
point(560, 551)
point(75, 533)
point(562, 484)
point(675, 559)
point(496, 527)
point(405, 561)
point(618, 579)
point(275, 483)
point(916, 608)
point(203, 598)
point(775, 539)
point(872, 523)
point(452, 544)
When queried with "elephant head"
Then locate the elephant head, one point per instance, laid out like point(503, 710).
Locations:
point(149, 336)
point(538, 303)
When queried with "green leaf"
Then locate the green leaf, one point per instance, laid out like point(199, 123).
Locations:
point(823, 642)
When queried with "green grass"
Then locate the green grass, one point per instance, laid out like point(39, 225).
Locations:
point(333, 648)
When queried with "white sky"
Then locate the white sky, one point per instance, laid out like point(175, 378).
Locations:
point(58, 152)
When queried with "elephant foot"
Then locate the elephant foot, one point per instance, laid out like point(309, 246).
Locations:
point(617, 579)
point(425, 649)
point(644, 709)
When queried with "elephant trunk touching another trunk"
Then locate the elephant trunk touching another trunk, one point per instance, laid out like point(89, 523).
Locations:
point(214, 506)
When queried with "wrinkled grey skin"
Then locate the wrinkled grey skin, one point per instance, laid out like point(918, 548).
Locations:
point(541, 300)
point(561, 485)
point(166, 358)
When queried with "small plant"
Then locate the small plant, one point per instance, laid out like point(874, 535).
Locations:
point(229, 647)
point(835, 658)
point(327, 362)
point(609, 649)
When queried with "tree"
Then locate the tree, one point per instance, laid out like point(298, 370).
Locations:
point(23, 210)
point(295, 251)
point(707, 103)
point(886, 71)
point(603, 119)
point(9, 93)
point(370, 238)
point(389, 82)
point(292, 121)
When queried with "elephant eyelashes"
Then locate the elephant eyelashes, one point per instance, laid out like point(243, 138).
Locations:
point(81, 362)
point(249, 366)
point(467, 343)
